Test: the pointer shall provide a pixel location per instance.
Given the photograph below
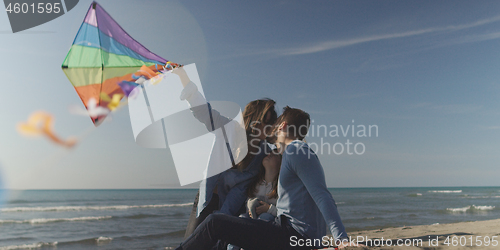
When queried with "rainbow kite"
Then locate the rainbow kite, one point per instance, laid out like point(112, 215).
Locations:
point(102, 56)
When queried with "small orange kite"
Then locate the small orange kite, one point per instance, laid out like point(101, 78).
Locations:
point(41, 123)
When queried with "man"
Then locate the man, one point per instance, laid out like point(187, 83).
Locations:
point(304, 202)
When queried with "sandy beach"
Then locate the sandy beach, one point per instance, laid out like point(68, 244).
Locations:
point(463, 235)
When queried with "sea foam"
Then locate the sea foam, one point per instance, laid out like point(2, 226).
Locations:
point(51, 220)
point(30, 246)
point(81, 208)
point(415, 195)
point(470, 209)
point(102, 238)
point(445, 191)
point(101, 241)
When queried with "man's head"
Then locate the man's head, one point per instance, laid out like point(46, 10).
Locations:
point(293, 124)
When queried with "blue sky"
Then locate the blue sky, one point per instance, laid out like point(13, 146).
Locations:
point(425, 72)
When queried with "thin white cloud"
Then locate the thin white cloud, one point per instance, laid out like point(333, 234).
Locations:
point(335, 44)
point(476, 38)
point(457, 108)
point(265, 54)
point(450, 108)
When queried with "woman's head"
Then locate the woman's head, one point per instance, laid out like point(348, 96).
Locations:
point(271, 163)
point(259, 116)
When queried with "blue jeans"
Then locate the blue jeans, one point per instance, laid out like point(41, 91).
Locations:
point(266, 217)
point(262, 216)
point(249, 234)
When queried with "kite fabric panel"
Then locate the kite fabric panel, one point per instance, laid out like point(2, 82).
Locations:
point(103, 55)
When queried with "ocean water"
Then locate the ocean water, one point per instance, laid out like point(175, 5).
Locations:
point(155, 219)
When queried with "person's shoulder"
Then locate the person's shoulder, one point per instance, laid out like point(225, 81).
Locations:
point(297, 144)
point(298, 148)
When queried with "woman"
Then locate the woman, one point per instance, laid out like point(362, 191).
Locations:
point(263, 190)
point(226, 192)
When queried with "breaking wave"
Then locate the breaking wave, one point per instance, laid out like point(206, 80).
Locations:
point(52, 220)
point(30, 246)
point(81, 208)
point(471, 208)
point(445, 191)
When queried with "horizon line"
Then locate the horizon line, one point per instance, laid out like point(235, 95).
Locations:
point(194, 188)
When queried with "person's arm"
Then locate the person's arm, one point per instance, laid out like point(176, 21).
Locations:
point(201, 109)
point(182, 75)
point(237, 181)
point(235, 199)
point(273, 210)
point(308, 168)
point(265, 207)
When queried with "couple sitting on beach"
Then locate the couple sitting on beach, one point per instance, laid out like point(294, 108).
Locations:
point(289, 212)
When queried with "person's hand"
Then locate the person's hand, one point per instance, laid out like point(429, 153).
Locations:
point(182, 75)
point(262, 208)
point(179, 71)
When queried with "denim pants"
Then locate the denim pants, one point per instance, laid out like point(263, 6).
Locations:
point(249, 234)
point(195, 221)
point(263, 216)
